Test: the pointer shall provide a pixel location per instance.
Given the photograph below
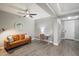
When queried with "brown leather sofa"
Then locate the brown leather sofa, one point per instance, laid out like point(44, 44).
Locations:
point(17, 41)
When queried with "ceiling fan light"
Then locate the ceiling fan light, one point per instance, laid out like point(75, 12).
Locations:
point(27, 15)
point(27, 12)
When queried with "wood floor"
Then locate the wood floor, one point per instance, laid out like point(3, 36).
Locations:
point(37, 48)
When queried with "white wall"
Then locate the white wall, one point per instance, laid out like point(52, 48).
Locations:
point(8, 20)
point(45, 22)
point(57, 31)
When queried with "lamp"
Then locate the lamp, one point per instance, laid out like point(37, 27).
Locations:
point(42, 29)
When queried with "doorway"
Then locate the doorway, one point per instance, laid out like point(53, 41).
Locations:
point(69, 29)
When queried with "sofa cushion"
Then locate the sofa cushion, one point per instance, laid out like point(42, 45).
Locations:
point(22, 36)
point(18, 42)
point(15, 37)
point(10, 38)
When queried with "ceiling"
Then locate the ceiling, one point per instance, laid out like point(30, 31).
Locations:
point(65, 8)
point(42, 9)
point(15, 8)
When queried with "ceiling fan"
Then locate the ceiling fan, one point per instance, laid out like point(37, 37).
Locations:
point(25, 13)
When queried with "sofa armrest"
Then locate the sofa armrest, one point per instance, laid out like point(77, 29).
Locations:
point(5, 40)
point(6, 43)
point(29, 38)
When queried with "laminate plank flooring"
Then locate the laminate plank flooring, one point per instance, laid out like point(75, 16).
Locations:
point(37, 48)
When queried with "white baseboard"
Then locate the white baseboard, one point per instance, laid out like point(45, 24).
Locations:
point(76, 39)
point(50, 42)
point(71, 39)
point(56, 43)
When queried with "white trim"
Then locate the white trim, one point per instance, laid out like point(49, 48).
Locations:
point(55, 43)
point(53, 11)
point(76, 39)
point(59, 8)
point(70, 39)
point(50, 41)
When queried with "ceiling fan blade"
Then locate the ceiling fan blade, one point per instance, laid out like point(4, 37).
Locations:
point(33, 14)
point(17, 8)
point(21, 13)
point(24, 16)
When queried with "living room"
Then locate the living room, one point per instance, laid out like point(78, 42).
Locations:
point(37, 29)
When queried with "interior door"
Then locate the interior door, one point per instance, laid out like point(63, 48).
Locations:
point(69, 29)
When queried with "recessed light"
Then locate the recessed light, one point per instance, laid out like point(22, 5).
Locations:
point(76, 16)
point(69, 18)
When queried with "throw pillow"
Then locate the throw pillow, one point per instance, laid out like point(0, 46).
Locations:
point(10, 38)
point(15, 37)
point(22, 36)
point(26, 36)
